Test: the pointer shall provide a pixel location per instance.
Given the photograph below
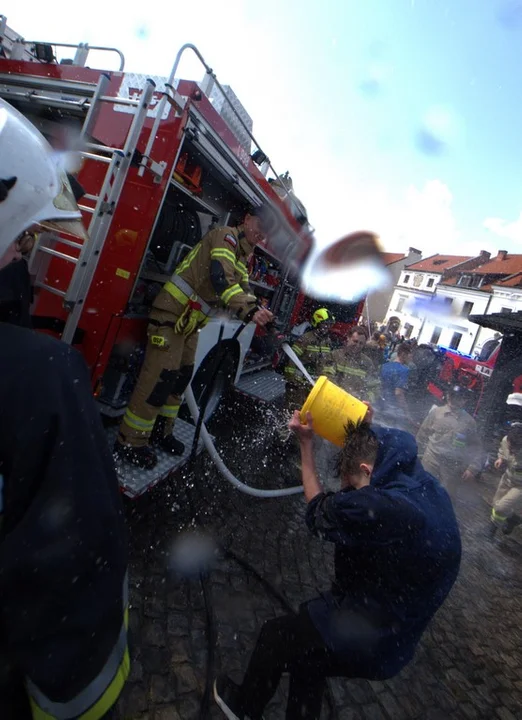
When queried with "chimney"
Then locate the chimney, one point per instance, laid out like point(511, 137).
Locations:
point(502, 254)
point(484, 255)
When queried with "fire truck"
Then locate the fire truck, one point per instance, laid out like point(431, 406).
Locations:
point(470, 372)
point(163, 160)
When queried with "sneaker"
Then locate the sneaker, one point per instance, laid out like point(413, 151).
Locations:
point(142, 457)
point(170, 445)
point(226, 695)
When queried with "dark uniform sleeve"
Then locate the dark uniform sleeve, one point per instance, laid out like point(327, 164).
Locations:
point(229, 275)
point(359, 517)
point(63, 545)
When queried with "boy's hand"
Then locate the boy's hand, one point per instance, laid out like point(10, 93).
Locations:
point(304, 432)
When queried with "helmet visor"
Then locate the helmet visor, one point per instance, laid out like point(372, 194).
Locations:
point(67, 217)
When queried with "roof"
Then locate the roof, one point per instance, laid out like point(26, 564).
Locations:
point(501, 322)
point(512, 281)
point(438, 263)
point(454, 280)
point(390, 258)
point(503, 264)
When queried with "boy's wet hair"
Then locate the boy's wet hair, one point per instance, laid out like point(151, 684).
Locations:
point(360, 446)
point(514, 437)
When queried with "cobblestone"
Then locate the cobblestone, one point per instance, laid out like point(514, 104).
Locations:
point(468, 666)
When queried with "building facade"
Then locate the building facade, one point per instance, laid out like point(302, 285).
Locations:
point(492, 286)
point(412, 301)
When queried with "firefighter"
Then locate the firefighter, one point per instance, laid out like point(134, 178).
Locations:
point(212, 275)
point(63, 549)
point(352, 369)
point(314, 349)
point(450, 441)
point(507, 503)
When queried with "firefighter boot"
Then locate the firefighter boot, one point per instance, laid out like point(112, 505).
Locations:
point(167, 443)
point(142, 457)
point(510, 524)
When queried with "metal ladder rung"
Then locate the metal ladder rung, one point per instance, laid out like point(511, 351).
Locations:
point(87, 209)
point(119, 100)
point(58, 254)
point(50, 289)
point(92, 156)
point(70, 243)
point(105, 148)
point(88, 196)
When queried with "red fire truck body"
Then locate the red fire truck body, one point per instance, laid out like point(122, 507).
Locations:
point(146, 148)
point(471, 373)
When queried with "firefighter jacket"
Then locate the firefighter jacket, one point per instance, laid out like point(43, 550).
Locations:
point(214, 274)
point(63, 545)
point(512, 464)
point(397, 555)
point(451, 437)
point(354, 372)
point(314, 349)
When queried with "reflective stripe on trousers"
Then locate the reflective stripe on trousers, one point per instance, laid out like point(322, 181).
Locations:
point(100, 695)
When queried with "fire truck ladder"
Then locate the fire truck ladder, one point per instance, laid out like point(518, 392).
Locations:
point(119, 161)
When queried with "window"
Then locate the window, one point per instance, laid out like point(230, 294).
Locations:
point(506, 310)
point(466, 308)
point(408, 329)
point(430, 282)
point(436, 335)
point(400, 304)
point(406, 279)
point(455, 341)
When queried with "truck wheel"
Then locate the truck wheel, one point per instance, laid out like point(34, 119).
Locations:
point(220, 385)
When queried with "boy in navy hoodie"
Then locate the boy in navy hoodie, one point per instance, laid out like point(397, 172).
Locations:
point(397, 555)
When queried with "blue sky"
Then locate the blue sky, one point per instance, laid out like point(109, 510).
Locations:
point(402, 116)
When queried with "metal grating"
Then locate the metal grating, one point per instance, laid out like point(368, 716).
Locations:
point(266, 385)
point(135, 482)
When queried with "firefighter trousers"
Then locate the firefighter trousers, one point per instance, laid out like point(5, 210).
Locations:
point(507, 501)
point(165, 374)
point(447, 471)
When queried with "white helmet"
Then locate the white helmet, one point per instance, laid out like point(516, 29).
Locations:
point(34, 189)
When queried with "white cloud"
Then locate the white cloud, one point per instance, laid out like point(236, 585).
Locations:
point(512, 230)
point(421, 217)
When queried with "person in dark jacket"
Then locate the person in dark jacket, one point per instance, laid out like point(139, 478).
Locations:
point(397, 555)
point(63, 544)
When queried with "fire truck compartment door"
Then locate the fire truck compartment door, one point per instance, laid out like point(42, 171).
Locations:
point(222, 158)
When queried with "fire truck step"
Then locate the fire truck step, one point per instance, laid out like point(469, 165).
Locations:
point(266, 385)
point(135, 482)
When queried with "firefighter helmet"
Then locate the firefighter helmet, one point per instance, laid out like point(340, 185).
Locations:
point(34, 189)
point(321, 315)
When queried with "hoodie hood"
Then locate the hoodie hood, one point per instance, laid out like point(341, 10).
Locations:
point(397, 463)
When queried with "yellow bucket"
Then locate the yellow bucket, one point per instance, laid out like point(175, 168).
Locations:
point(331, 408)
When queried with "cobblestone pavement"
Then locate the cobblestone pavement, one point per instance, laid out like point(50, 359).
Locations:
point(469, 664)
